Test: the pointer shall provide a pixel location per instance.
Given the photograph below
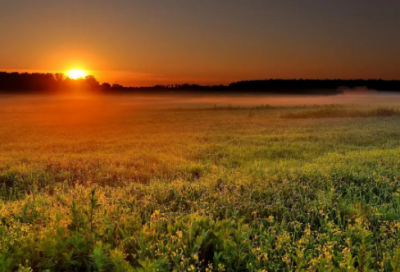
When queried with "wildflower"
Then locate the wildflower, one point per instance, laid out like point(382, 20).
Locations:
point(286, 259)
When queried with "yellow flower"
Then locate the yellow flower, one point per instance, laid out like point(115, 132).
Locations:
point(286, 259)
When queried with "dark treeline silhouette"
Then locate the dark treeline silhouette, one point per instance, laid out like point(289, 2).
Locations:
point(59, 83)
point(314, 85)
point(39, 83)
point(271, 86)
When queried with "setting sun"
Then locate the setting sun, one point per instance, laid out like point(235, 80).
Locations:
point(76, 74)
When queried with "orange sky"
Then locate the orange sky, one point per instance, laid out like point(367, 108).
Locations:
point(138, 43)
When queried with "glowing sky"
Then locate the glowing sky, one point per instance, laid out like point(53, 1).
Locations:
point(147, 42)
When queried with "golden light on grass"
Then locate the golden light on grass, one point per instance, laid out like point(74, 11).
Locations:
point(76, 74)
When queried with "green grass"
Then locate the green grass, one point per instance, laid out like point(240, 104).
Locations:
point(332, 112)
point(199, 190)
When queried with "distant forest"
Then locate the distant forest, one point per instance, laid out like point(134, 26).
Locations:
point(58, 83)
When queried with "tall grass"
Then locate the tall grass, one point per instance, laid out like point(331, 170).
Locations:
point(200, 190)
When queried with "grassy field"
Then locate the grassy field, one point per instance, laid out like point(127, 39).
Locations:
point(89, 186)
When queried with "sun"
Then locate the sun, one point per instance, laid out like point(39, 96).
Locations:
point(76, 74)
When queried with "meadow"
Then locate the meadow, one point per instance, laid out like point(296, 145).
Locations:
point(109, 185)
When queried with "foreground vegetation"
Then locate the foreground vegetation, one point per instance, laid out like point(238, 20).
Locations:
point(198, 190)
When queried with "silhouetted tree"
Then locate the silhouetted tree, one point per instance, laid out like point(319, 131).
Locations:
point(91, 83)
point(117, 86)
point(106, 86)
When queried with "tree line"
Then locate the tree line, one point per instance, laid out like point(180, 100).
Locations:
point(59, 83)
point(43, 82)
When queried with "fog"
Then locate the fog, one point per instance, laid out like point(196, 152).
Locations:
point(186, 101)
point(81, 111)
point(42, 103)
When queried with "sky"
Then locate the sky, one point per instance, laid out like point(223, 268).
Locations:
point(147, 42)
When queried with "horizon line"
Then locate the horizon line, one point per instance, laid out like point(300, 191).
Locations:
point(208, 85)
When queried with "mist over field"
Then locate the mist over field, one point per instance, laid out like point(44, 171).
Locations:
point(187, 101)
point(89, 110)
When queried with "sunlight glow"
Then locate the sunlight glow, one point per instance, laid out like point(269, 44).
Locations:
point(76, 74)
